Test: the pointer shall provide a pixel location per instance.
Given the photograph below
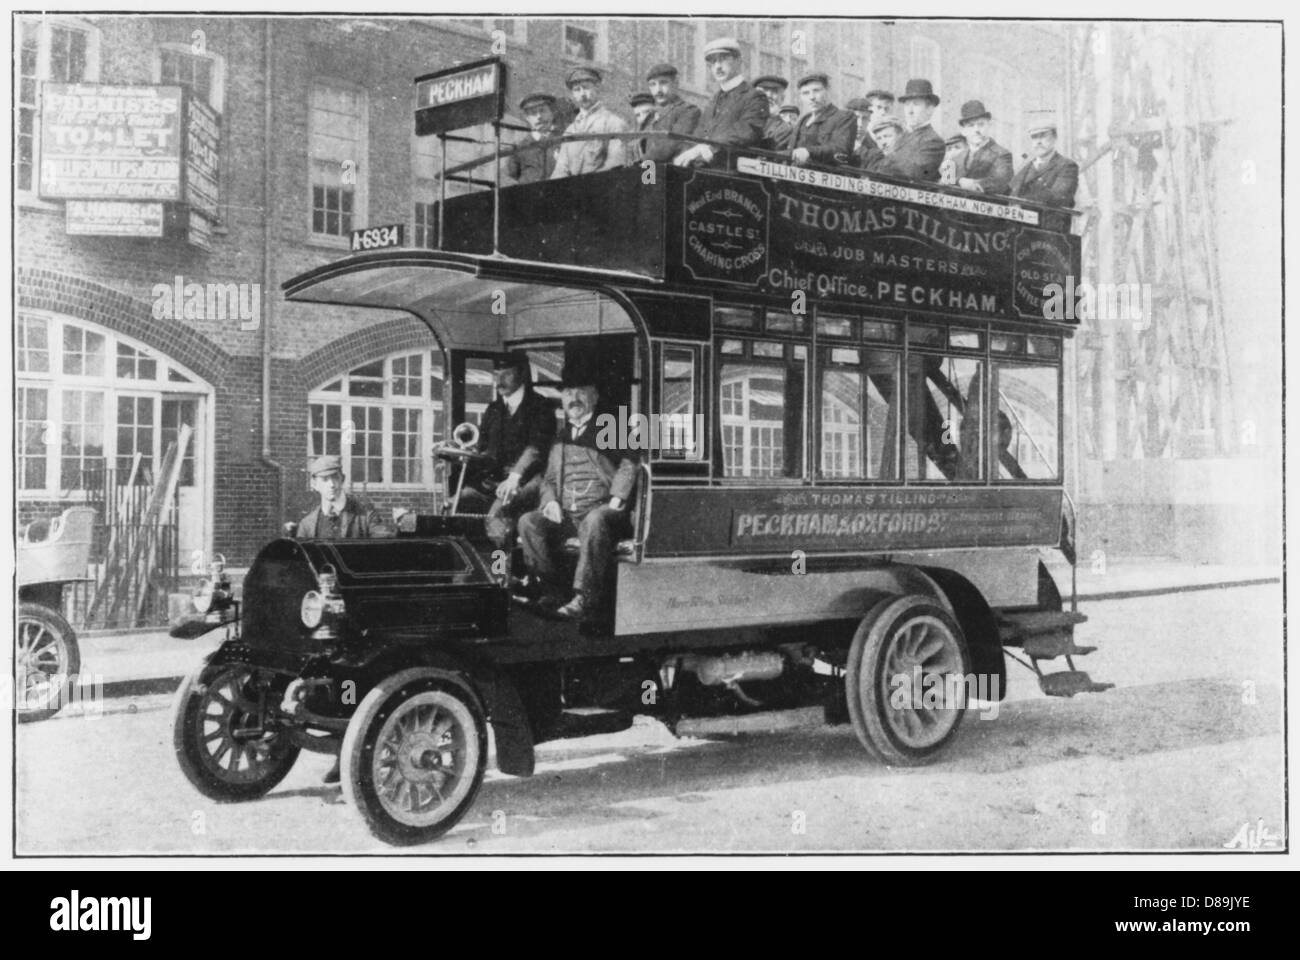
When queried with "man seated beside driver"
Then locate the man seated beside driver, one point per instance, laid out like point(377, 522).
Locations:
point(515, 433)
point(585, 493)
point(339, 515)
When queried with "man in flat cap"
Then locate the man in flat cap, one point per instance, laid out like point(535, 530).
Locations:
point(536, 159)
point(589, 156)
point(777, 133)
point(864, 147)
point(953, 147)
point(585, 492)
point(824, 133)
point(516, 433)
point(789, 116)
point(921, 150)
point(672, 115)
point(339, 515)
point(886, 131)
point(737, 115)
point(983, 165)
point(643, 114)
point(1048, 178)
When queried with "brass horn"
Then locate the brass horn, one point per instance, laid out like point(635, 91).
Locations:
point(465, 435)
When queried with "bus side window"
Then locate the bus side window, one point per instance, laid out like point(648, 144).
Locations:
point(680, 396)
point(1026, 441)
point(859, 414)
point(761, 408)
point(945, 428)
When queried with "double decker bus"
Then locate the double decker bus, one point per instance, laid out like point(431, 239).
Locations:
point(853, 469)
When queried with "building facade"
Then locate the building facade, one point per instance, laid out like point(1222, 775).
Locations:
point(121, 342)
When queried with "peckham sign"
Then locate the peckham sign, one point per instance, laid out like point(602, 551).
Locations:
point(460, 97)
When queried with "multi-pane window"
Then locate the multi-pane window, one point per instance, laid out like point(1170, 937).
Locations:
point(680, 386)
point(187, 70)
point(583, 40)
point(51, 51)
point(381, 418)
point(859, 409)
point(338, 146)
point(87, 400)
point(760, 402)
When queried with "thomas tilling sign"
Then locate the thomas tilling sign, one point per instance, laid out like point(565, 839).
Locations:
point(460, 97)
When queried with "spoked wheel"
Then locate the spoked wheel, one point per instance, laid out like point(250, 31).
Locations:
point(218, 738)
point(414, 755)
point(906, 680)
point(47, 661)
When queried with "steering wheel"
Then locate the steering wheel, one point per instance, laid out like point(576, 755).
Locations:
point(461, 455)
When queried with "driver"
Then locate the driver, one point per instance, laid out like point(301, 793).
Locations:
point(515, 434)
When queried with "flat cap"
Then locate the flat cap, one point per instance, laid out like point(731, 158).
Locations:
point(661, 70)
point(1042, 125)
point(722, 45)
point(637, 99)
point(326, 464)
point(888, 120)
point(956, 140)
point(533, 99)
point(579, 74)
point(789, 108)
point(821, 78)
point(879, 94)
point(772, 80)
point(858, 103)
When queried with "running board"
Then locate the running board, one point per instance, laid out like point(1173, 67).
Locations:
point(1066, 683)
point(769, 721)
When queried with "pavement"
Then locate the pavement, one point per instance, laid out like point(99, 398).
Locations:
point(141, 662)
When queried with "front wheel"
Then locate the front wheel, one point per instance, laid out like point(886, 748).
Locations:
point(906, 680)
point(48, 661)
point(414, 755)
point(219, 735)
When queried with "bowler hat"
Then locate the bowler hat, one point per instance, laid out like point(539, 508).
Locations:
point(326, 464)
point(971, 111)
point(772, 80)
point(533, 99)
point(919, 90)
point(637, 99)
point(821, 78)
point(727, 45)
point(580, 370)
point(579, 74)
point(661, 70)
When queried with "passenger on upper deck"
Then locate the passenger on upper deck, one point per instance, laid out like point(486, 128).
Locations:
point(864, 147)
point(984, 166)
point(516, 434)
point(920, 150)
point(589, 156)
point(886, 131)
point(585, 493)
point(824, 133)
point(777, 133)
point(643, 112)
point(1048, 178)
point(673, 115)
point(535, 161)
point(789, 116)
point(953, 147)
point(738, 113)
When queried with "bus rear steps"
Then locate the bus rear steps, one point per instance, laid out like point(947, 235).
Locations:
point(1046, 635)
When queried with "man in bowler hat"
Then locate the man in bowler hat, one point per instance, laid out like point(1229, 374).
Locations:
point(672, 115)
point(585, 493)
point(983, 166)
point(920, 150)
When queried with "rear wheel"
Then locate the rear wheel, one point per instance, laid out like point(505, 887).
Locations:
point(414, 755)
point(47, 661)
point(906, 680)
point(219, 738)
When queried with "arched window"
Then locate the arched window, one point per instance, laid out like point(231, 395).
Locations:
point(89, 400)
point(381, 418)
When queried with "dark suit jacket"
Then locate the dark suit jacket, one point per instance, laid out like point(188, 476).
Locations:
point(354, 521)
point(990, 165)
point(1054, 185)
point(878, 162)
point(777, 134)
point(737, 117)
point(864, 147)
point(618, 467)
point(518, 443)
point(533, 162)
point(827, 136)
point(676, 117)
point(919, 154)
